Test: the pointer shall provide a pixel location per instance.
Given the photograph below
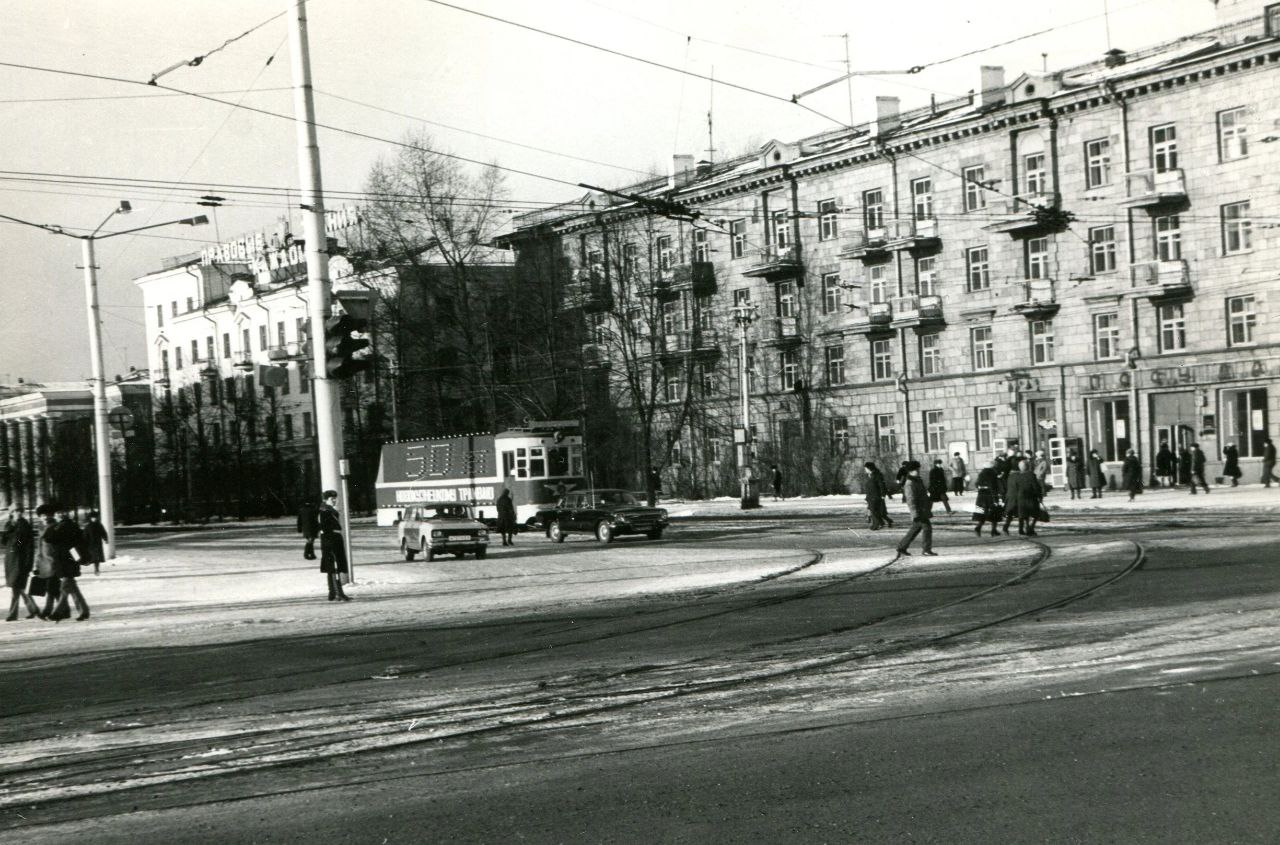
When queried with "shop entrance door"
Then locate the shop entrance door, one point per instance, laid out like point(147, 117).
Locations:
point(1173, 417)
point(1044, 424)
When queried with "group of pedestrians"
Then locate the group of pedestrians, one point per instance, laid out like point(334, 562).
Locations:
point(46, 558)
point(1011, 486)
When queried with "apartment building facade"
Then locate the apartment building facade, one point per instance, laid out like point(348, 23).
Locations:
point(1088, 253)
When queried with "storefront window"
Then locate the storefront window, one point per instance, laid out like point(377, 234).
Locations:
point(1109, 427)
point(1244, 420)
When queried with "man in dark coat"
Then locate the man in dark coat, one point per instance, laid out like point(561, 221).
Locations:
point(1197, 469)
point(1022, 499)
point(1231, 467)
point(506, 517)
point(1132, 474)
point(333, 549)
point(1184, 465)
point(938, 485)
point(1075, 473)
point(775, 476)
point(917, 499)
point(873, 489)
point(1164, 464)
point(1268, 462)
point(68, 546)
point(987, 506)
point(19, 556)
point(95, 538)
point(1094, 473)
point(309, 528)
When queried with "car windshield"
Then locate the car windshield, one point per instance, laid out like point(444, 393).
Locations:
point(452, 512)
point(615, 497)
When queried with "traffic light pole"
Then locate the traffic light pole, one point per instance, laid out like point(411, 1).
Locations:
point(328, 419)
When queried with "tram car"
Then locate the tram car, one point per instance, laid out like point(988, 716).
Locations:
point(538, 462)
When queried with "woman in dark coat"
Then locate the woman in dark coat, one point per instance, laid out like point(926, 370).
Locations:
point(95, 540)
point(1132, 473)
point(1184, 465)
point(1096, 477)
point(938, 485)
point(333, 548)
point(506, 517)
point(987, 504)
point(67, 545)
point(1075, 474)
point(1231, 468)
point(19, 558)
point(1164, 464)
point(1023, 500)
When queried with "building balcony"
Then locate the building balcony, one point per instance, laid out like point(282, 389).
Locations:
point(701, 344)
point(775, 264)
point(595, 355)
point(867, 245)
point(663, 285)
point(243, 361)
point(279, 353)
point(1149, 189)
point(1023, 215)
point(590, 293)
point(913, 235)
point(1037, 300)
point(918, 312)
point(1155, 279)
point(873, 318)
point(696, 276)
point(784, 331)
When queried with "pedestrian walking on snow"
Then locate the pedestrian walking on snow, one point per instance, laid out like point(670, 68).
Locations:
point(1075, 473)
point(938, 484)
point(309, 528)
point(19, 558)
point(1094, 475)
point(1184, 465)
point(775, 476)
point(333, 549)
point(987, 503)
point(958, 470)
point(1023, 501)
point(1131, 471)
point(1042, 471)
point(1231, 468)
point(1165, 464)
point(873, 490)
point(1268, 462)
point(95, 539)
point(1197, 469)
point(917, 499)
point(69, 551)
point(506, 517)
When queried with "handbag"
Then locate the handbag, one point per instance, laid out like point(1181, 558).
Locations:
point(38, 586)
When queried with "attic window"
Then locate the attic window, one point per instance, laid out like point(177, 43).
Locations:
point(1030, 89)
point(777, 156)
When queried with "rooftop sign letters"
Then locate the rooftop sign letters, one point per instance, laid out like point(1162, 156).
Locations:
point(275, 250)
point(1190, 376)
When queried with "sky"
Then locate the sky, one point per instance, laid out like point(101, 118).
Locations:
point(483, 89)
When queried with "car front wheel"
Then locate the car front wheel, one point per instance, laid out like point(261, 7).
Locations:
point(431, 555)
point(604, 532)
point(481, 552)
point(655, 534)
point(554, 532)
point(406, 550)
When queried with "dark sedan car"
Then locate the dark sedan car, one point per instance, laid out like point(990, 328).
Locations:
point(604, 513)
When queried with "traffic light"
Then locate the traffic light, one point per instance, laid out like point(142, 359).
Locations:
point(340, 348)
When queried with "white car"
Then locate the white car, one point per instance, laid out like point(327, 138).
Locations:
point(435, 530)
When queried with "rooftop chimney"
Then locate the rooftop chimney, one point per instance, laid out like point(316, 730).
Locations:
point(1114, 57)
point(991, 92)
point(682, 171)
point(887, 118)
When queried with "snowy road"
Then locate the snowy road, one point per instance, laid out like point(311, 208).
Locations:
point(213, 669)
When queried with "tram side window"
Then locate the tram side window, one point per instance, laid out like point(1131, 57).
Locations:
point(537, 462)
point(558, 461)
point(508, 463)
point(516, 463)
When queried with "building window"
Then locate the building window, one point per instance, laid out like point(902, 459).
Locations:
point(975, 192)
point(191, 304)
point(288, 426)
point(1042, 341)
point(881, 359)
point(1097, 163)
point(1237, 230)
point(210, 350)
point(984, 351)
point(1271, 20)
point(1109, 420)
point(630, 260)
point(1242, 316)
point(789, 366)
point(828, 220)
point(226, 344)
point(666, 254)
point(926, 276)
point(164, 363)
point(262, 337)
point(786, 292)
point(1173, 327)
point(1033, 170)
point(306, 423)
point(742, 296)
point(304, 377)
point(1244, 420)
point(280, 335)
point(701, 250)
point(703, 306)
point(930, 354)
point(985, 421)
point(715, 448)
point(245, 347)
point(781, 230)
point(839, 435)
point(1106, 337)
point(835, 365)
point(886, 434)
point(671, 383)
point(922, 199)
point(173, 308)
point(1038, 258)
point(1164, 148)
point(1168, 237)
point(935, 431)
point(1102, 249)
point(1233, 133)
point(707, 378)
point(670, 317)
point(873, 209)
point(832, 293)
point(288, 382)
point(738, 238)
point(878, 283)
point(979, 271)
point(177, 357)
point(160, 316)
point(195, 352)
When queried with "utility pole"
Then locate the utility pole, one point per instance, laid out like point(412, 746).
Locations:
point(848, 69)
point(101, 439)
point(744, 315)
point(329, 440)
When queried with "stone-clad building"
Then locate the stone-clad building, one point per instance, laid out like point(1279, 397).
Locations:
point(1089, 253)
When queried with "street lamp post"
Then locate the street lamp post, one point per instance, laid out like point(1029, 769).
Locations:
point(744, 315)
point(101, 423)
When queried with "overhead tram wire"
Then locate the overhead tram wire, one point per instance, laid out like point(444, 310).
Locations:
point(24, 100)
